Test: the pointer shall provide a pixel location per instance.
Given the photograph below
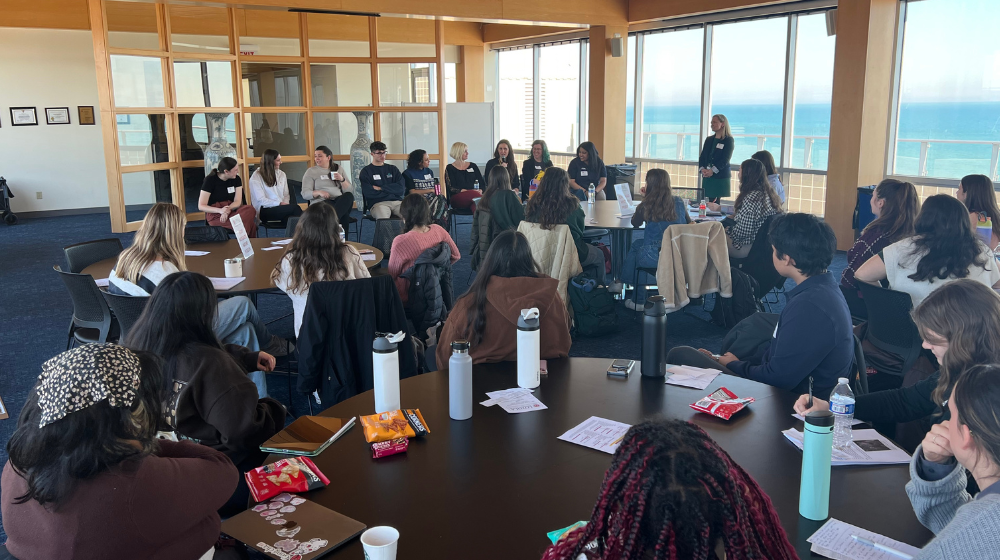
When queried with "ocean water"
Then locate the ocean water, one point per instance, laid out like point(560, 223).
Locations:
point(976, 126)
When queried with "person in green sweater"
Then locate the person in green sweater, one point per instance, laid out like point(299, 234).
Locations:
point(498, 210)
point(552, 205)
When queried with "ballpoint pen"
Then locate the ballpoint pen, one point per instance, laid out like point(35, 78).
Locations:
point(810, 403)
point(881, 547)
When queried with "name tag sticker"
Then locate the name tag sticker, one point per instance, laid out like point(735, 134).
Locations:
point(470, 170)
point(720, 146)
point(539, 167)
point(377, 177)
point(428, 176)
point(231, 190)
point(583, 172)
point(324, 177)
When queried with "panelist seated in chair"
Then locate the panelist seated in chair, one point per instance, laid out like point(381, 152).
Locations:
point(382, 184)
point(813, 336)
point(221, 198)
point(316, 254)
point(269, 191)
point(327, 182)
point(419, 235)
point(508, 281)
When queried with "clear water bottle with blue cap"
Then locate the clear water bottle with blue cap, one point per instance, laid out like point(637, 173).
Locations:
point(591, 194)
point(842, 407)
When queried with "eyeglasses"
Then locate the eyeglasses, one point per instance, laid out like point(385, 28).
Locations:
point(380, 153)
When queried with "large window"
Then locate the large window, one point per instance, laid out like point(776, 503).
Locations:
point(671, 107)
point(948, 115)
point(813, 92)
point(516, 97)
point(559, 96)
point(630, 96)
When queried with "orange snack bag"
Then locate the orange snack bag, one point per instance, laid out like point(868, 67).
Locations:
point(394, 424)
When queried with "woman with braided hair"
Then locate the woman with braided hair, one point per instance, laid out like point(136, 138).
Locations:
point(673, 493)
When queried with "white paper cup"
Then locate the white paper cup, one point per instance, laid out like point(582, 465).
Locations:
point(234, 268)
point(380, 543)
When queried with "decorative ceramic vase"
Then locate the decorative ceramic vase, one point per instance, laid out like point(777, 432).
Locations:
point(361, 155)
point(218, 145)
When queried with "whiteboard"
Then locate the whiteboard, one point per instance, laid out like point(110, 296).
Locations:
point(471, 123)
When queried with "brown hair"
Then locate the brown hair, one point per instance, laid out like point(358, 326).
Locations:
point(552, 203)
point(415, 212)
point(753, 177)
point(767, 159)
point(161, 236)
point(316, 247)
point(966, 313)
point(266, 169)
point(977, 402)
point(658, 204)
point(981, 198)
point(497, 181)
point(900, 210)
point(511, 166)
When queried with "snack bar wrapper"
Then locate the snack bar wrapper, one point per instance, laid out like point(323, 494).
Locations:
point(394, 424)
point(295, 474)
point(722, 403)
point(386, 448)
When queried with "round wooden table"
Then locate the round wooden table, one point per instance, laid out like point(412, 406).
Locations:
point(490, 487)
point(257, 269)
point(604, 214)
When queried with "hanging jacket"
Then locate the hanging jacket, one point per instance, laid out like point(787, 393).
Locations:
point(482, 236)
point(555, 252)
point(339, 324)
point(431, 295)
point(694, 261)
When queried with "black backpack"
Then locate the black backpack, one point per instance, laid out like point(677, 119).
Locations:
point(744, 303)
point(205, 234)
point(594, 311)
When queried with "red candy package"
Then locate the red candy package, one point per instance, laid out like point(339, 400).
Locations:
point(391, 447)
point(295, 474)
point(722, 403)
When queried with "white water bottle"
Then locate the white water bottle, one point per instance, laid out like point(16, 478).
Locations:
point(528, 349)
point(460, 381)
point(591, 194)
point(842, 407)
point(385, 370)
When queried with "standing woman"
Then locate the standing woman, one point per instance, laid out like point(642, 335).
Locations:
point(713, 164)
point(976, 192)
point(767, 159)
point(222, 197)
point(324, 182)
point(269, 190)
point(587, 168)
point(538, 161)
point(756, 202)
point(461, 178)
point(503, 156)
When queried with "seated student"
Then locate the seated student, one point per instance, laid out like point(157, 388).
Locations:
point(756, 202)
point(324, 182)
point(672, 492)
point(157, 251)
point(508, 281)
point(221, 198)
point(659, 210)
point(895, 205)
point(208, 395)
point(382, 184)
point(269, 190)
point(315, 254)
point(503, 156)
point(960, 324)
point(463, 179)
point(538, 161)
point(965, 526)
point(976, 192)
point(771, 170)
point(419, 234)
point(553, 205)
point(505, 211)
point(586, 169)
point(943, 249)
point(813, 336)
point(87, 477)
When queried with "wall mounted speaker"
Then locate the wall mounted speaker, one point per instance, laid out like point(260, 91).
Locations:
point(831, 23)
point(617, 47)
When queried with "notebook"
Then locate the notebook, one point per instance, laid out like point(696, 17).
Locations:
point(288, 526)
point(308, 436)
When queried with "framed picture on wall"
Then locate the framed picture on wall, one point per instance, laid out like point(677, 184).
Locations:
point(23, 116)
point(86, 113)
point(57, 115)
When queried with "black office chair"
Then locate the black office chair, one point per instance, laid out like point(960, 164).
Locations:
point(453, 214)
point(859, 373)
point(82, 255)
point(856, 305)
point(91, 320)
point(126, 310)
point(386, 229)
point(293, 222)
point(890, 327)
point(759, 266)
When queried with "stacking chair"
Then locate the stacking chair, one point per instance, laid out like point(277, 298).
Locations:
point(453, 214)
point(82, 255)
point(126, 310)
point(91, 320)
point(859, 371)
point(758, 265)
point(293, 222)
point(386, 230)
point(890, 327)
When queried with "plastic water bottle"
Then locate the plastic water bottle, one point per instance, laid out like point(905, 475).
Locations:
point(460, 381)
point(385, 370)
point(528, 348)
point(437, 187)
point(591, 194)
point(703, 208)
point(476, 186)
point(842, 407)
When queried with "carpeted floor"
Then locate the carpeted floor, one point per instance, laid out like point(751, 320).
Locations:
point(36, 309)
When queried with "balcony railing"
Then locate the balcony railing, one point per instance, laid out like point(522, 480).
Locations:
point(682, 143)
point(925, 147)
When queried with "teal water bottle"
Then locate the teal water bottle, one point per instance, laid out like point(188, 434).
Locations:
point(817, 448)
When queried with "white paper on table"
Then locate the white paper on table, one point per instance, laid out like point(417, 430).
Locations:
point(281, 242)
point(868, 448)
point(275, 248)
point(833, 540)
point(514, 401)
point(690, 376)
point(368, 256)
point(854, 422)
point(597, 433)
point(195, 253)
point(103, 282)
point(223, 284)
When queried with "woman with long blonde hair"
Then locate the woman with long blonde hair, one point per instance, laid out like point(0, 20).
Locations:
point(713, 164)
point(157, 251)
point(463, 179)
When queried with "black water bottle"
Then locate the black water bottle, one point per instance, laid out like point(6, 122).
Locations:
point(654, 337)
